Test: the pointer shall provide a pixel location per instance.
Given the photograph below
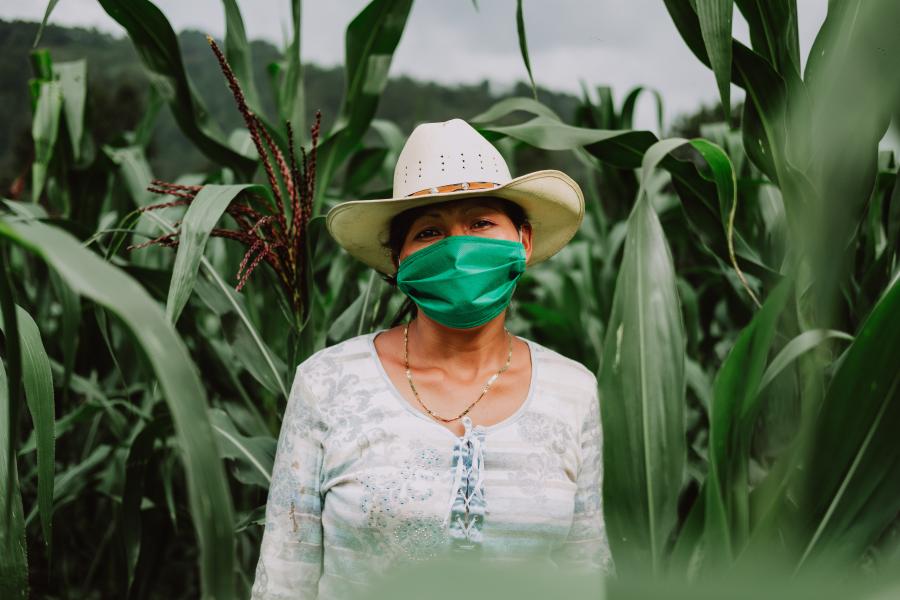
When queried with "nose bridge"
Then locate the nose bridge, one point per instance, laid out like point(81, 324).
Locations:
point(458, 227)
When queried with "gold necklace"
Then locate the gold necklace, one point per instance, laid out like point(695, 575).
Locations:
point(483, 391)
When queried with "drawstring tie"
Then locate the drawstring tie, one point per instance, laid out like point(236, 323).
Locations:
point(466, 510)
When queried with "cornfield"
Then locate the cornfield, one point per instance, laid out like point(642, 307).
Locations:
point(736, 293)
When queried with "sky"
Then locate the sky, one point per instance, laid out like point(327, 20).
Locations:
point(621, 43)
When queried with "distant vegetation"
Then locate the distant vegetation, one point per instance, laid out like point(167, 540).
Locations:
point(118, 89)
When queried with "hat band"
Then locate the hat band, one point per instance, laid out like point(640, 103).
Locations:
point(453, 187)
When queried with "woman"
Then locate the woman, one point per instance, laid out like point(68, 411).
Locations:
point(446, 433)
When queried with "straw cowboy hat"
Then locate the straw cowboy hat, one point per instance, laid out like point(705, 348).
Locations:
point(447, 160)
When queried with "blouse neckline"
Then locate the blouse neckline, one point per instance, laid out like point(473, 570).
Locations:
point(370, 339)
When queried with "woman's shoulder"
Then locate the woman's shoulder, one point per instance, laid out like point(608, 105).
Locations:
point(345, 349)
point(341, 362)
point(558, 367)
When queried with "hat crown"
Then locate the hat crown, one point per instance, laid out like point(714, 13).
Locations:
point(446, 153)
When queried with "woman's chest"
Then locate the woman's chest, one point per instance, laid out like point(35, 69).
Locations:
point(404, 487)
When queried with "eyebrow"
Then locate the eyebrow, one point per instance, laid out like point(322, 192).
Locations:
point(465, 210)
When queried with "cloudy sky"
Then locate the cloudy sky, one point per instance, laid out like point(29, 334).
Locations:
point(621, 43)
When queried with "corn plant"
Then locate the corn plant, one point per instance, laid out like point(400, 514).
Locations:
point(733, 292)
point(769, 477)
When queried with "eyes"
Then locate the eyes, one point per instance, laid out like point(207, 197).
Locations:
point(476, 224)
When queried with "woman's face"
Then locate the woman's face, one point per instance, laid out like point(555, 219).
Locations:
point(481, 216)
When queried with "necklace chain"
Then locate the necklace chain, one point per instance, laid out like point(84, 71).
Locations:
point(484, 390)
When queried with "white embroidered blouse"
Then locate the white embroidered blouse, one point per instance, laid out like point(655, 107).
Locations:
point(363, 481)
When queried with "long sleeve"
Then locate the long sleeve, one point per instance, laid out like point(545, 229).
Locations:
point(290, 557)
point(586, 548)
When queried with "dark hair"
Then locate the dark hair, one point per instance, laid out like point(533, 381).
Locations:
point(400, 225)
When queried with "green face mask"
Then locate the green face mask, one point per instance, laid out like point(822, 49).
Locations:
point(463, 281)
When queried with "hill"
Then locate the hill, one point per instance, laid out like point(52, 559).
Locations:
point(118, 91)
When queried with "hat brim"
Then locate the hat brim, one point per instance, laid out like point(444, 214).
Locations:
point(552, 201)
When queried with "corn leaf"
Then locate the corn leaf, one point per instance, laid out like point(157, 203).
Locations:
point(139, 455)
point(625, 149)
point(254, 355)
point(774, 33)
point(157, 45)
point(51, 4)
point(38, 382)
point(642, 385)
point(371, 39)
point(208, 493)
point(253, 456)
point(852, 492)
point(201, 217)
point(72, 78)
point(44, 132)
point(237, 51)
point(291, 95)
point(715, 25)
point(766, 92)
point(509, 105)
point(736, 404)
point(551, 134)
point(13, 558)
point(70, 319)
point(801, 344)
point(13, 563)
point(523, 44)
point(273, 377)
point(626, 117)
point(70, 483)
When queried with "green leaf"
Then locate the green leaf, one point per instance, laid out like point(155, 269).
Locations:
point(798, 346)
point(363, 166)
point(394, 139)
point(642, 384)
point(201, 217)
point(255, 356)
point(523, 44)
point(13, 562)
point(852, 492)
point(764, 121)
point(291, 95)
point(271, 372)
point(44, 132)
point(736, 404)
point(139, 455)
point(774, 32)
point(626, 118)
point(549, 133)
point(506, 106)
point(143, 132)
point(13, 558)
point(625, 149)
point(208, 493)
point(371, 39)
point(253, 455)
point(157, 45)
point(51, 4)
point(725, 178)
point(135, 171)
point(70, 483)
point(70, 320)
point(237, 51)
point(715, 24)
point(38, 383)
point(73, 84)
